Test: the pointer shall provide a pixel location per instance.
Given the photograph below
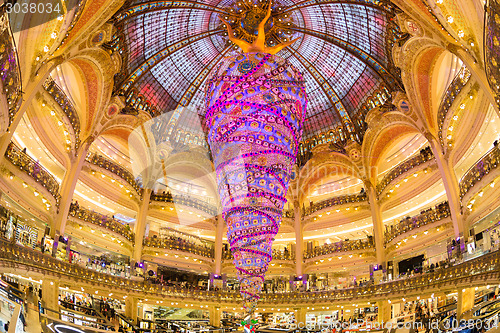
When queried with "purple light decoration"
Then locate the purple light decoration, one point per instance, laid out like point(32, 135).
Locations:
point(256, 104)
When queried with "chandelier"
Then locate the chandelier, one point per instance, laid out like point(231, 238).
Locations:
point(256, 104)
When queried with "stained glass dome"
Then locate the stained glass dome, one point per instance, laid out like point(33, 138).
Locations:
point(169, 49)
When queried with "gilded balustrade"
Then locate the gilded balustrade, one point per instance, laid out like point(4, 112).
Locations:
point(180, 244)
point(12, 255)
point(114, 168)
point(340, 200)
point(185, 201)
point(441, 211)
point(104, 221)
point(277, 255)
point(66, 106)
point(486, 164)
point(424, 156)
point(9, 66)
point(31, 167)
point(454, 88)
point(342, 246)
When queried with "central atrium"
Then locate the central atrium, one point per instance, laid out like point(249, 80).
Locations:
point(249, 165)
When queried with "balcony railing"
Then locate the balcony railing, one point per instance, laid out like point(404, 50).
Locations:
point(424, 156)
point(180, 244)
point(114, 168)
point(185, 201)
point(484, 267)
point(340, 200)
point(66, 105)
point(441, 211)
point(277, 255)
point(9, 66)
point(104, 221)
point(31, 167)
point(487, 163)
point(338, 247)
point(454, 88)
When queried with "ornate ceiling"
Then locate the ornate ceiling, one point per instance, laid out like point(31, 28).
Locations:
point(343, 49)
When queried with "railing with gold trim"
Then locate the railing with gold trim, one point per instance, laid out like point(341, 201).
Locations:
point(424, 156)
point(277, 255)
point(104, 221)
point(185, 201)
point(66, 106)
point(338, 247)
point(335, 201)
point(488, 162)
point(439, 212)
point(180, 244)
point(486, 266)
point(9, 66)
point(31, 167)
point(114, 168)
point(454, 88)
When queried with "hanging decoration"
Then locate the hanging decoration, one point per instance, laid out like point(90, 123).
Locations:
point(256, 104)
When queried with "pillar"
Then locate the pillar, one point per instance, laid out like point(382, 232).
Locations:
point(219, 234)
point(299, 239)
point(384, 312)
point(215, 315)
point(301, 317)
point(131, 308)
point(67, 189)
point(140, 225)
point(451, 186)
point(465, 301)
point(50, 294)
point(378, 224)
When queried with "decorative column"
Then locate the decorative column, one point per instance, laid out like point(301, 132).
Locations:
point(140, 224)
point(384, 312)
point(465, 301)
point(50, 294)
point(378, 224)
point(451, 186)
point(215, 315)
point(219, 233)
point(301, 317)
point(68, 185)
point(299, 239)
point(131, 308)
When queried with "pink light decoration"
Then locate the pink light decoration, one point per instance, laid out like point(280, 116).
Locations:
point(256, 104)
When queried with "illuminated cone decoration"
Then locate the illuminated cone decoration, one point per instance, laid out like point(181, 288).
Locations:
point(256, 104)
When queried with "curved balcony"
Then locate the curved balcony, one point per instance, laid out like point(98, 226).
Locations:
point(424, 156)
point(342, 246)
point(441, 211)
point(179, 244)
point(340, 200)
point(479, 271)
point(487, 163)
point(31, 167)
point(185, 201)
point(114, 168)
point(277, 255)
point(454, 88)
point(101, 220)
point(66, 106)
point(9, 65)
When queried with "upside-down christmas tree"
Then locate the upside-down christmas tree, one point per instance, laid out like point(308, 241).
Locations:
point(256, 104)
